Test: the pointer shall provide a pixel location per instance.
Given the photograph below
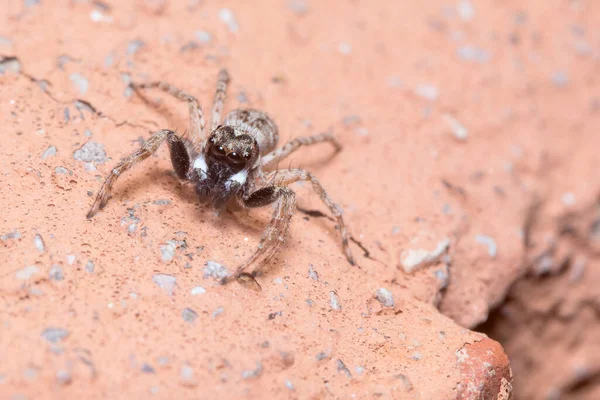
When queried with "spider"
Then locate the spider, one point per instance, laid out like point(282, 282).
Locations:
point(228, 166)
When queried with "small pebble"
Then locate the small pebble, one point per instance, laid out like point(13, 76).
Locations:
point(413, 259)
point(342, 368)
point(254, 373)
point(312, 274)
point(134, 46)
point(215, 270)
point(465, 10)
point(89, 266)
point(298, 6)
point(55, 335)
point(56, 273)
point(49, 152)
point(91, 152)
point(189, 315)
point(334, 301)
point(289, 385)
point(147, 368)
point(197, 290)
point(416, 356)
point(204, 37)
point(568, 199)
point(560, 78)
point(61, 170)
point(460, 132)
point(39, 243)
point(473, 54)
point(11, 235)
point(217, 312)
point(168, 251)
point(385, 297)
point(428, 92)
point(63, 377)
point(165, 282)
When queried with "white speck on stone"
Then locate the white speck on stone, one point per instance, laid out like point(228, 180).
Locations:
point(197, 290)
point(385, 297)
point(334, 301)
point(27, 272)
point(217, 312)
point(489, 242)
point(568, 199)
point(345, 48)
point(134, 46)
point(215, 270)
point(39, 243)
point(473, 54)
point(427, 91)
point(412, 259)
point(289, 385)
point(89, 266)
point(465, 10)
point(312, 274)
point(462, 355)
point(11, 235)
point(90, 152)
point(55, 335)
point(186, 373)
point(254, 373)
point(416, 356)
point(459, 131)
point(70, 259)
point(298, 6)
point(204, 36)
point(56, 273)
point(99, 16)
point(167, 251)
point(80, 82)
point(49, 152)
point(63, 377)
point(359, 370)
point(226, 16)
point(165, 282)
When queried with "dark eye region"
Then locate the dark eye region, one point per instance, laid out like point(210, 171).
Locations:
point(220, 150)
point(236, 157)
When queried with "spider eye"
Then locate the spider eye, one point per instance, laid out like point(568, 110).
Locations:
point(220, 150)
point(235, 157)
point(247, 156)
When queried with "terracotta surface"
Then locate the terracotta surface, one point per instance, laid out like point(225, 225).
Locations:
point(397, 82)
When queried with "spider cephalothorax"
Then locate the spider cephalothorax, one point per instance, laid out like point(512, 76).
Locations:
point(228, 165)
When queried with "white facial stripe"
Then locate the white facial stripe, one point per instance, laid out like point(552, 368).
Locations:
point(200, 163)
point(239, 178)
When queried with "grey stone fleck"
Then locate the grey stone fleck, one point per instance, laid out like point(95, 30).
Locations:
point(215, 270)
point(359, 370)
point(289, 385)
point(189, 315)
point(89, 266)
point(80, 82)
point(385, 297)
point(312, 274)
point(489, 242)
point(165, 282)
point(204, 36)
point(427, 91)
point(473, 54)
point(49, 152)
point(55, 335)
point(197, 290)
point(334, 301)
point(11, 235)
point(88, 166)
point(226, 16)
point(341, 367)
point(91, 152)
point(416, 356)
point(408, 386)
point(67, 115)
point(310, 302)
point(322, 356)
point(10, 64)
point(134, 46)
point(186, 372)
point(162, 202)
point(147, 368)
point(56, 273)
point(27, 272)
point(442, 275)
point(4, 41)
point(109, 60)
point(167, 250)
point(61, 170)
point(560, 78)
point(30, 3)
point(30, 373)
point(253, 373)
point(217, 312)
point(345, 48)
point(298, 6)
point(71, 259)
point(413, 259)
point(63, 377)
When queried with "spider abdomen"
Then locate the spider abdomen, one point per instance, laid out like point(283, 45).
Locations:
point(256, 124)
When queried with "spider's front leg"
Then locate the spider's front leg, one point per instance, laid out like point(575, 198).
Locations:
point(274, 235)
point(179, 158)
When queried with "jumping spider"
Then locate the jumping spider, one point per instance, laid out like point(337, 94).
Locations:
point(229, 166)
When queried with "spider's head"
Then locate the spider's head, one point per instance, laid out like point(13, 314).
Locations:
point(226, 148)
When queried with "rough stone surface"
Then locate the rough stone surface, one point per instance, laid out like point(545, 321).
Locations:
point(526, 89)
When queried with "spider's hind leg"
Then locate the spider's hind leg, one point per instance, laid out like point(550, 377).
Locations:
point(179, 158)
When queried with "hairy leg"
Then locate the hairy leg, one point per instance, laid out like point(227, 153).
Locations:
point(275, 233)
point(290, 147)
point(197, 122)
point(288, 176)
point(219, 98)
point(179, 158)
